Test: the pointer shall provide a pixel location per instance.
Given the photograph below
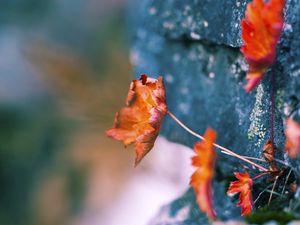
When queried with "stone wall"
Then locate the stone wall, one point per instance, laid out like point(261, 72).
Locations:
point(195, 45)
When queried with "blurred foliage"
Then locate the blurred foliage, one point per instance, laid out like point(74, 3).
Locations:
point(81, 62)
point(24, 12)
point(264, 215)
point(29, 139)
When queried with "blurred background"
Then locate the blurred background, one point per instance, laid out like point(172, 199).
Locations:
point(64, 72)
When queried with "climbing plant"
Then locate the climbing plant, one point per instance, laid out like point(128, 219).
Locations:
point(139, 122)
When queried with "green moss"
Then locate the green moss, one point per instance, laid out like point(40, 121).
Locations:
point(263, 215)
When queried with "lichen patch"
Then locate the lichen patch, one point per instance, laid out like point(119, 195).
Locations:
point(257, 129)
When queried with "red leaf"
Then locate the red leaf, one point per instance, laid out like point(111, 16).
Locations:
point(261, 30)
point(139, 123)
point(202, 177)
point(292, 133)
point(243, 186)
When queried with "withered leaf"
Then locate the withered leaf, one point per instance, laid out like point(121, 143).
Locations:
point(243, 186)
point(201, 180)
point(292, 133)
point(261, 30)
point(140, 121)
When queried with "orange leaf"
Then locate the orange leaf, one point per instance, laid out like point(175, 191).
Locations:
point(202, 177)
point(244, 186)
point(292, 133)
point(269, 150)
point(268, 153)
point(261, 30)
point(139, 123)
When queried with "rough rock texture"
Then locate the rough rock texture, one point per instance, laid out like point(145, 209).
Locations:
point(195, 44)
point(197, 20)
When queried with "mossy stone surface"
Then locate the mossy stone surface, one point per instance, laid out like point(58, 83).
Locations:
point(194, 45)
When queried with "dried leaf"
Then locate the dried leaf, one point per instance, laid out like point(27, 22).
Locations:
point(292, 133)
point(139, 123)
point(202, 178)
point(261, 30)
point(243, 186)
point(293, 187)
point(269, 150)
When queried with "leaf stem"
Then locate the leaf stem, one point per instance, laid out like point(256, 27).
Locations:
point(247, 157)
point(229, 152)
point(272, 111)
point(271, 194)
point(285, 183)
point(272, 115)
point(262, 160)
point(260, 175)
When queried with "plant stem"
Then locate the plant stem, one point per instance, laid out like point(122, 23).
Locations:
point(286, 180)
point(260, 175)
point(272, 113)
point(275, 182)
point(247, 157)
point(229, 152)
point(262, 160)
